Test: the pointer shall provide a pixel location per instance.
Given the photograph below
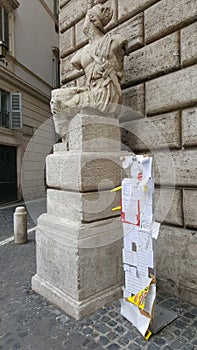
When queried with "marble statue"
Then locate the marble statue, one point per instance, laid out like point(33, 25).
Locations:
point(102, 62)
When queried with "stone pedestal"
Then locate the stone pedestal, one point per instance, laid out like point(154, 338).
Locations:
point(79, 239)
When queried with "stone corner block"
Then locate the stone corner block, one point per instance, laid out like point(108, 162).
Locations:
point(83, 207)
point(90, 133)
point(84, 172)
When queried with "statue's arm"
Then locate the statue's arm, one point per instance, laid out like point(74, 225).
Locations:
point(76, 61)
point(122, 45)
point(125, 46)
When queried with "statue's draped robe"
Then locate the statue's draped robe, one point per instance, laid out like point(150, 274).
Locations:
point(102, 63)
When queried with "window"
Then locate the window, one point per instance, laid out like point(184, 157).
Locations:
point(4, 27)
point(10, 110)
point(4, 108)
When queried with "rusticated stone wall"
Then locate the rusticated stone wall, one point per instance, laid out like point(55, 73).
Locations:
point(161, 82)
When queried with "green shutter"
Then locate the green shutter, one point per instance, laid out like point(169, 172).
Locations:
point(15, 111)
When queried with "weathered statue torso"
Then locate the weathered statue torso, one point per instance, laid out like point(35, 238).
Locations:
point(102, 62)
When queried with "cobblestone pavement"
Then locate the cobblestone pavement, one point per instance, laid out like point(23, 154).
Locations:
point(29, 322)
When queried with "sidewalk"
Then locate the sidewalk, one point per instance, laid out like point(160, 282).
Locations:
point(29, 322)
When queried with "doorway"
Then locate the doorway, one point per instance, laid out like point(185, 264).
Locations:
point(8, 174)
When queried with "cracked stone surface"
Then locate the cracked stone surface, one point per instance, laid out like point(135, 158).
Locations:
point(30, 322)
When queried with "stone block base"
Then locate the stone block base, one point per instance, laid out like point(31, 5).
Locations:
point(84, 172)
point(72, 307)
point(79, 266)
point(84, 207)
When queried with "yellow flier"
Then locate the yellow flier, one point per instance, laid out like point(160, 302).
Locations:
point(139, 299)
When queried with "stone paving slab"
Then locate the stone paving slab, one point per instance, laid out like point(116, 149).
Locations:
point(29, 322)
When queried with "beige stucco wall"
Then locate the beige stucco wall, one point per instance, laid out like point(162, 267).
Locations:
point(35, 36)
point(28, 68)
point(160, 82)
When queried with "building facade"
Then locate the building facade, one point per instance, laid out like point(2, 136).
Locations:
point(160, 83)
point(29, 61)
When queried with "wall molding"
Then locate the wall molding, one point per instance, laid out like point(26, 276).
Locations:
point(9, 5)
point(19, 83)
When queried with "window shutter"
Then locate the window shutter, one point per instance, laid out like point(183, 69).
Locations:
point(15, 111)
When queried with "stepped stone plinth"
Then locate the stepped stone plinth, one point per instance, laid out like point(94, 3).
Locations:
point(79, 239)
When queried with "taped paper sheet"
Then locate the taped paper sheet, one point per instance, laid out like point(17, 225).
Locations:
point(129, 258)
point(131, 269)
point(139, 232)
point(135, 284)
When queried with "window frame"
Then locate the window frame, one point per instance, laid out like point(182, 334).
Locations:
point(4, 27)
point(9, 6)
point(13, 109)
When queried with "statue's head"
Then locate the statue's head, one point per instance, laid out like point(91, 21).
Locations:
point(100, 16)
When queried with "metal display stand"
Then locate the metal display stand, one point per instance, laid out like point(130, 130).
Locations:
point(162, 318)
